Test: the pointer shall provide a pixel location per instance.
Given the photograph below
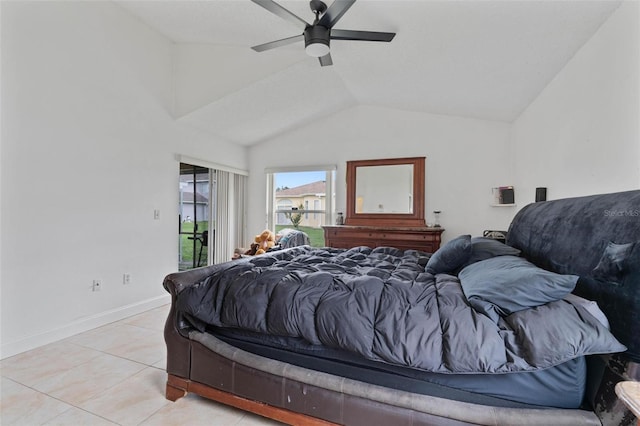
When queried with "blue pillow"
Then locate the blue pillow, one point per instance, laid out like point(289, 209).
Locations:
point(505, 284)
point(483, 248)
point(451, 256)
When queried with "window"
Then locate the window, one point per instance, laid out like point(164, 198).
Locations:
point(290, 194)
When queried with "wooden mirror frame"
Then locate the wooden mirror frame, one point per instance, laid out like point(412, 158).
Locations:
point(415, 219)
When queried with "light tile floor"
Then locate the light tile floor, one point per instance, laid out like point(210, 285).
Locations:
point(112, 375)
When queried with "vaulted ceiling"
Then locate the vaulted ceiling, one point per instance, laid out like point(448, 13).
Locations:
point(481, 58)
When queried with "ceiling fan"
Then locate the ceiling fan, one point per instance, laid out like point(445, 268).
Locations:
point(317, 36)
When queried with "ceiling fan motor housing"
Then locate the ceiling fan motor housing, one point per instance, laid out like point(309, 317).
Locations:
point(317, 34)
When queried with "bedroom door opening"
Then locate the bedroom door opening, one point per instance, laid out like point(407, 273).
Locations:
point(195, 223)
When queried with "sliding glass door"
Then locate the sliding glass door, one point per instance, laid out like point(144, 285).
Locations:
point(211, 212)
point(194, 216)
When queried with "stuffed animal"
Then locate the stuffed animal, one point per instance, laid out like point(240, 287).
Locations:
point(252, 251)
point(264, 241)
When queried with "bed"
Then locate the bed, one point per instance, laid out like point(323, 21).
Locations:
point(387, 336)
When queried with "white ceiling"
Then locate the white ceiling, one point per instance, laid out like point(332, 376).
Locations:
point(480, 58)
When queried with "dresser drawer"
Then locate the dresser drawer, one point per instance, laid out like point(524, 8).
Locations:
point(423, 239)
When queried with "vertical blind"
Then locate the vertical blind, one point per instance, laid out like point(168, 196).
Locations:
point(229, 214)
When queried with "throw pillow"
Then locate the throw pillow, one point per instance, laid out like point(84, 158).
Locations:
point(483, 248)
point(451, 256)
point(505, 284)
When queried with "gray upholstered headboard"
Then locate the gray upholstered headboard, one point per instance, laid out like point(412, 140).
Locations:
point(572, 235)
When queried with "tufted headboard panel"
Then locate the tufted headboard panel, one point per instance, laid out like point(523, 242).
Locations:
point(573, 236)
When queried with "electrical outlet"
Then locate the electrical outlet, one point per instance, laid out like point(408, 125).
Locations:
point(126, 278)
point(156, 214)
point(97, 285)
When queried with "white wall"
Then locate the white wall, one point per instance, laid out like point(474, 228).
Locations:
point(582, 134)
point(465, 158)
point(86, 93)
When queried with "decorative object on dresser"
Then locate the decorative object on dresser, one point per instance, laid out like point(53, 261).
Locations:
point(436, 215)
point(385, 207)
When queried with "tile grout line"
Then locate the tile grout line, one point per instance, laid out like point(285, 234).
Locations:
point(97, 353)
point(105, 352)
point(77, 408)
point(71, 406)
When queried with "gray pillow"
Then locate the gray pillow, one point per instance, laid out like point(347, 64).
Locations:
point(505, 284)
point(483, 248)
point(612, 264)
point(451, 256)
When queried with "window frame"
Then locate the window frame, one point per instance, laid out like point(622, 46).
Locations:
point(329, 207)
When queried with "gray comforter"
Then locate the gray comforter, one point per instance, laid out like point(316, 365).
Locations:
point(382, 305)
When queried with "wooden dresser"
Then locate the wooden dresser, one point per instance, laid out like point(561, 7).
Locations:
point(418, 238)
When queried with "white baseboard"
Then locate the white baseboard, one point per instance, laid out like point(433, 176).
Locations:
point(31, 342)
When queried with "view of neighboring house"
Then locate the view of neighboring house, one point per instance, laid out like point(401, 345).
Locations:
point(309, 197)
point(194, 207)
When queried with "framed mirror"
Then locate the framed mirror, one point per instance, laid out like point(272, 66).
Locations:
point(386, 192)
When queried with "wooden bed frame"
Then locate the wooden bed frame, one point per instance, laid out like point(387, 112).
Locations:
point(178, 387)
point(201, 364)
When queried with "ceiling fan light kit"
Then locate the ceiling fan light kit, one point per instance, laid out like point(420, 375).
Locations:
point(317, 36)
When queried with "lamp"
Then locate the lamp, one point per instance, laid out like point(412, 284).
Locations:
point(316, 41)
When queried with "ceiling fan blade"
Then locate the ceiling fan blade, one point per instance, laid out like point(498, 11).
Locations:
point(278, 43)
point(361, 35)
point(326, 60)
point(276, 9)
point(335, 12)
